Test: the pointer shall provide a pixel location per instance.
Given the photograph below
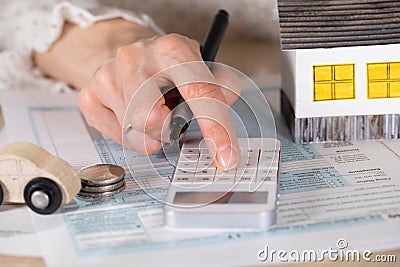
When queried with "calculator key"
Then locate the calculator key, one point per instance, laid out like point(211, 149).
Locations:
point(206, 157)
point(269, 156)
point(268, 178)
point(189, 157)
point(225, 177)
point(183, 173)
point(245, 175)
point(245, 171)
point(183, 180)
point(181, 176)
point(202, 165)
point(269, 175)
point(186, 150)
point(205, 172)
point(250, 153)
point(204, 176)
point(187, 165)
point(248, 163)
point(246, 179)
point(203, 180)
point(269, 165)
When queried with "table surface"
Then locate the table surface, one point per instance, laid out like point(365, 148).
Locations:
point(261, 64)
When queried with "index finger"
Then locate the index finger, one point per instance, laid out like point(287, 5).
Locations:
point(204, 96)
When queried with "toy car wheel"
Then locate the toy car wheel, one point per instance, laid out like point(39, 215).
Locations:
point(1, 195)
point(42, 195)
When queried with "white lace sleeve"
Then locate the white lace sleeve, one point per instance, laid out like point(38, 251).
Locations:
point(27, 25)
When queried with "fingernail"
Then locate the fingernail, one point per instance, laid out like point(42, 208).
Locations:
point(227, 158)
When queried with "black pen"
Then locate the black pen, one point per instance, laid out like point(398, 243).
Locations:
point(182, 115)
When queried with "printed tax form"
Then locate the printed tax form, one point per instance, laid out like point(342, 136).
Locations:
point(328, 192)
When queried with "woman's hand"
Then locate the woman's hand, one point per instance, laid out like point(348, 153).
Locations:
point(105, 96)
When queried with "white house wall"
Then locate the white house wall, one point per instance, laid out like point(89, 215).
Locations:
point(288, 70)
point(305, 59)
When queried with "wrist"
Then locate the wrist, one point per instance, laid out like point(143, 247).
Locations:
point(76, 55)
point(109, 35)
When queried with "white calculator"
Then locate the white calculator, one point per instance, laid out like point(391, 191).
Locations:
point(203, 197)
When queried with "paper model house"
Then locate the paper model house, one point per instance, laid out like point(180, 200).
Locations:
point(340, 69)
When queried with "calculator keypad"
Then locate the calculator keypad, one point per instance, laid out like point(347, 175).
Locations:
point(259, 163)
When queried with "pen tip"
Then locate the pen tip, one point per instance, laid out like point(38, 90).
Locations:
point(174, 136)
point(223, 12)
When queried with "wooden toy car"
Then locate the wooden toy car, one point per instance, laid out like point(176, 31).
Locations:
point(30, 174)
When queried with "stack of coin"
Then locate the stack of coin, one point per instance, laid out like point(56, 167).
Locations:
point(101, 180)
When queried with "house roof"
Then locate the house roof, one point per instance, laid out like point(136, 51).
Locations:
point(338, 23)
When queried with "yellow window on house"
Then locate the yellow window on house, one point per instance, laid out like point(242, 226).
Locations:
point(334, 82)
point(394, 89)
point(383, 80)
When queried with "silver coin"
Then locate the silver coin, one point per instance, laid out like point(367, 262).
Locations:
point(101, 174)
point(92, 184)
point(102, 189)
point(103, 194)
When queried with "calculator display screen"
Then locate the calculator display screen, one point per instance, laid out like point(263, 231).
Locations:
point(220, 197)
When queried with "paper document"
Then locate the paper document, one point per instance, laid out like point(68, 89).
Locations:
point(17, 233)
point(327, 191)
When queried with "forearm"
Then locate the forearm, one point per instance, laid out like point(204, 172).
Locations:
point(76, 55)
